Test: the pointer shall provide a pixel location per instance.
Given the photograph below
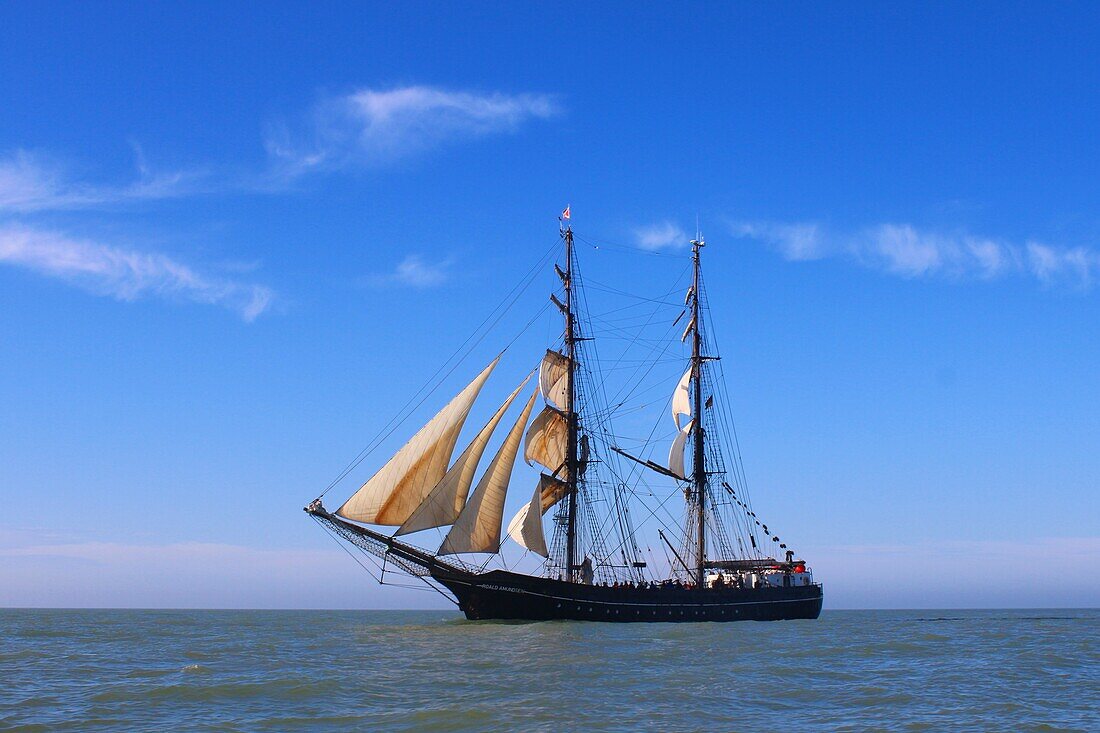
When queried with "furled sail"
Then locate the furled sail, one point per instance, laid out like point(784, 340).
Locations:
point(681, 401)
point(444, 503)
point(554, 379)
point(690, 327)
point(399, 487)
point(547, 439)
point(676, 453)
point(477, 528)
point(526, 527)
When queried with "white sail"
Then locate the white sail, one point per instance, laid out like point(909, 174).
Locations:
point(526, 527)
point(547, 439)
point(676, 453)
point(681, 401)
point(444, 503)
point(554, 379)
point(399, 487)
point(477, 528)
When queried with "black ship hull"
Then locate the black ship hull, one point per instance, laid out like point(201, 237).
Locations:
point(499, 594)
point(503, 595)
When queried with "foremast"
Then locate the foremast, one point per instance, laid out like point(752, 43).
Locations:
point(571, 463)
point(699, 469)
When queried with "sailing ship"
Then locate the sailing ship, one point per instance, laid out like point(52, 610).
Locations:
point(592, 568)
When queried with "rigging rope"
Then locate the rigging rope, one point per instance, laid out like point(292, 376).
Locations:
point(404, 412)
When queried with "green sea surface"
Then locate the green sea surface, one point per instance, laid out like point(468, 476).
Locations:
point(123, 670)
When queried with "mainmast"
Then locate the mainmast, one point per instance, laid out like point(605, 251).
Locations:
point(570, 412)
point(699, 471)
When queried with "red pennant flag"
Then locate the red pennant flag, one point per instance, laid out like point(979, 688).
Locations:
point(565, 214)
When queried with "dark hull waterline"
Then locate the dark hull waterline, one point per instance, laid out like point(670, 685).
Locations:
point(502, 595)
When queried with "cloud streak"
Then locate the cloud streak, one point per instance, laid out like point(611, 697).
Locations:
point(373, 127)
point(30, 183)
point(125, 274)
point(662, 235)
point(416, 272)
point(364, 128)
point(906, 251)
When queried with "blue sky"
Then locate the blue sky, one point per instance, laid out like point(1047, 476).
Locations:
point(233, 242)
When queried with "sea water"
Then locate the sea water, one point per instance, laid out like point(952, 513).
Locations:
point(433, 671)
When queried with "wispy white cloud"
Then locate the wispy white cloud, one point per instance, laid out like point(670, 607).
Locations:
point(794, 241)
point(904, 250)
point(662, 235)
point(372, 126)
point(125, 274)
point(1054, 264)
point(367, 127)
point(31, 182)
point(416, 272)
